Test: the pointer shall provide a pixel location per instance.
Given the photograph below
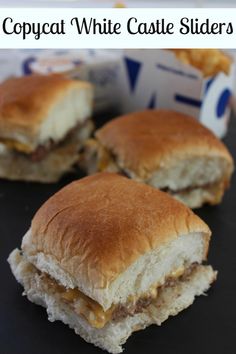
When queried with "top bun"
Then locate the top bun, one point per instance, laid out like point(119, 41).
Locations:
point(148, 140)
point(36, 108)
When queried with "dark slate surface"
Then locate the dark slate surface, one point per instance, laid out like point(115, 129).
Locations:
point(207, 327)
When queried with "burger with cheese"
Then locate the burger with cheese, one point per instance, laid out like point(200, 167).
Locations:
point(43, 122)
point(109, 256)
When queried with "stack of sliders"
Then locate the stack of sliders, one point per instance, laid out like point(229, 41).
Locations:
point(165, 149)
point(109, 256)
point(43, 122)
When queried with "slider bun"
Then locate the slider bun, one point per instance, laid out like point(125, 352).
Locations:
point(36, 108)
point(170, 302)
point(57, 162)
point(169, 144)
point(196, 197)
point(112, 237)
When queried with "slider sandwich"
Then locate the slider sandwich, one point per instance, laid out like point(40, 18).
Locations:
point(165, 149)
point(43, 121)
point(109, 256)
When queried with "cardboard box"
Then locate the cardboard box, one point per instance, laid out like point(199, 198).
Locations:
point(101, 68)
point(157, 79)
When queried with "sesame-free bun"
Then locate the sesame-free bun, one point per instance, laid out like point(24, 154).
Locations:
point(58, 161)
point(169, 302)
point(151, 139)
point(113, 237)
point(165, 149)
point(37, 108)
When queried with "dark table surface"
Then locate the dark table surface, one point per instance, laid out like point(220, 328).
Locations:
point(209, 326)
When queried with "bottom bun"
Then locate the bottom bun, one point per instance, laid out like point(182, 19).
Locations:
point(198, 196)
point(170, 302)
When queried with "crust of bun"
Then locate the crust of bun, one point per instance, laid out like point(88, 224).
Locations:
point(27, 102)
point(146, 141)
point(90, 227)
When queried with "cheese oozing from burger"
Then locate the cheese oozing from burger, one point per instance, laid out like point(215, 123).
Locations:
point(16, 145)
point(93, 312)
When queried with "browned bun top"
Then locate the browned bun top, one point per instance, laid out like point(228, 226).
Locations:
point(147, 140)
point(98, 226)
point(25, 101)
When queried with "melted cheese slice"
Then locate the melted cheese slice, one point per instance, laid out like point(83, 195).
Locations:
point(93, 312)
point(16, 145)
point(177, 272)
point(88, 308)
point(105, 160)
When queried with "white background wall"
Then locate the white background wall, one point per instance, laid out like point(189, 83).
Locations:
point(110, 3)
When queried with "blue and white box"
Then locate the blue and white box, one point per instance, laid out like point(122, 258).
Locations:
point(99, 67)
point(157, 79)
